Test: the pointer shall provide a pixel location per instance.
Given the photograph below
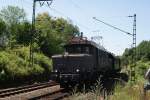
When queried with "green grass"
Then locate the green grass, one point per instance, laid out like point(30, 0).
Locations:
point(127, 92)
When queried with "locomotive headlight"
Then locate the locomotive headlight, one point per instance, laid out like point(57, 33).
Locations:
point(77, 70)
point(56, 70)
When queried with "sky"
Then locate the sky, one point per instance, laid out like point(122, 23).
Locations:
point(114, 12)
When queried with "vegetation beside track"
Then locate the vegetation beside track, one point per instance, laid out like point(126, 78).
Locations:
point(15, 66)
point(127, 92)
point(142, 61)
point(15, 36)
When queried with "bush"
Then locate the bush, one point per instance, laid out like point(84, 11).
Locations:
point(14, 64)
point(141, 68)
point(43, 61)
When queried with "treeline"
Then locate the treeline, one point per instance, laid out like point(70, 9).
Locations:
point(142, 57)
point(142, 52)
point(50, 35)
point(15, 36)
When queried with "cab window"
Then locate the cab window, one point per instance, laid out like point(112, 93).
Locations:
point(77, 49)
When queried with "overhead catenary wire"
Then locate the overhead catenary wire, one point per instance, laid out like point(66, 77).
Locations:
point(75, 4)
point(83, 11)
point(81, 25)
point(27, 3)
point(112, 26)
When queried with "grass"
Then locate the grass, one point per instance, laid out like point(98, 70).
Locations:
point(94, 93)
point(128, 92)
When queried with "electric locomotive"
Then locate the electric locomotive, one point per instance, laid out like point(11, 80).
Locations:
point(83, 61)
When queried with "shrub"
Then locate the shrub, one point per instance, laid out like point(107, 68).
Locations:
point(43, 61)
point(14, 64)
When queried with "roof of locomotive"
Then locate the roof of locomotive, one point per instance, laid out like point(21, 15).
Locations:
point(85, 41)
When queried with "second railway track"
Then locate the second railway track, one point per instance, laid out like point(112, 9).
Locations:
point(39, 91)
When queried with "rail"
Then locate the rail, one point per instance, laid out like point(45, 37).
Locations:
point(13, 91)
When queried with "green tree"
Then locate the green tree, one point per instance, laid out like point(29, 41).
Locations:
point(2, 27)
point(143, 50)
point(3, 33)
point(143, 58)
point(12, 14)
point(53, 33)
point(23, 34)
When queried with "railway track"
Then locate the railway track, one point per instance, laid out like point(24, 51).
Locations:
point(39, 91)
point(56, 95)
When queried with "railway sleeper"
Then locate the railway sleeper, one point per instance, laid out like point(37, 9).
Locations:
point(57, 96)
point(50, 95)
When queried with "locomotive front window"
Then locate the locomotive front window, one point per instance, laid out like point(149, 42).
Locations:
point(87, 50)
point(77, 49)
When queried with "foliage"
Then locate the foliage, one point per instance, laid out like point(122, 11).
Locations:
point(15, 38)
point(12, 15)
point(127, 92)
point(142, 50)
point(2, 27)
point(23, 33)
point(3, 33)
point(43, 61)
point(15, 63)
point(142, 67)
point(53, 33)
point(143, 58)
point(50, 35)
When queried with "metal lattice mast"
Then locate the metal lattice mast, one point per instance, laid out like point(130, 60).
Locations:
point(33, 32)
point(132, 70)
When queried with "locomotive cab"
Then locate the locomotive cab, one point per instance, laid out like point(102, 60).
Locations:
point(75, 64)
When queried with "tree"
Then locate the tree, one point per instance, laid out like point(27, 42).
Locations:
point(23, 35)
point(2, 27)
point(54, 33)
point(3, 33)
point(142, 52)
point(12, 15)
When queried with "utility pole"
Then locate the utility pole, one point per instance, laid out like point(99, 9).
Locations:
point(33, 32)
point(132, 68)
